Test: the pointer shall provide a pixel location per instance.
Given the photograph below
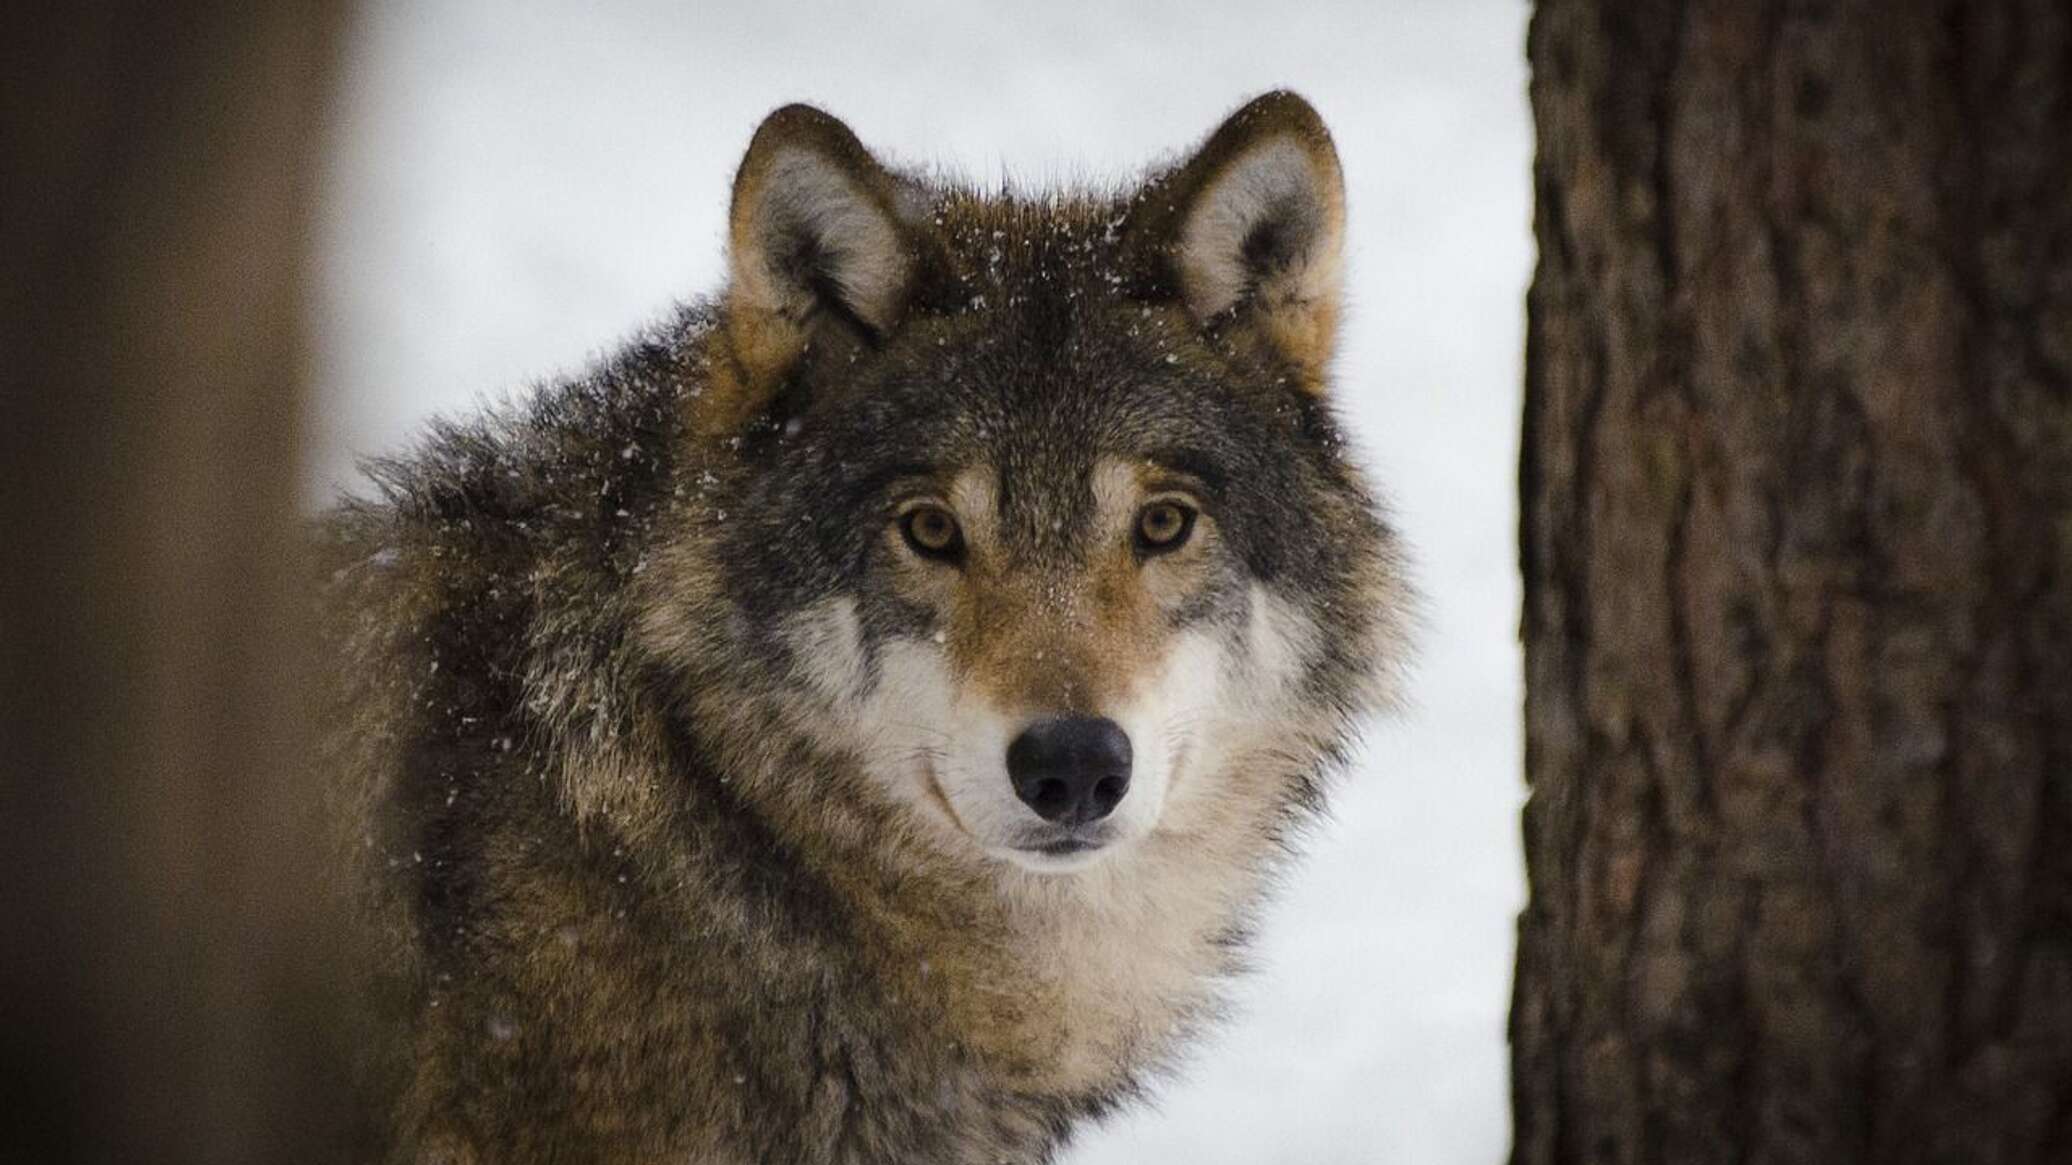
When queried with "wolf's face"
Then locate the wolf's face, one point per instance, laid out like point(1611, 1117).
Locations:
point(1038, 511)
point(1034, 619)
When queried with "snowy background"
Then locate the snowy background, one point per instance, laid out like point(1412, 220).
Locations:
point(518, 185)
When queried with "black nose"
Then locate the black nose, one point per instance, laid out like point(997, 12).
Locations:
point(1071, 769)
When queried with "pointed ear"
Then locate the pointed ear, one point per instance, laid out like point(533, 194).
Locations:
point(1250, 232)
point(819, 233)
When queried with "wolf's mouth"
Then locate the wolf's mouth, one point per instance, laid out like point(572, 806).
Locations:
point(1063, 848)
point(1058, 855)
point(1063, 843)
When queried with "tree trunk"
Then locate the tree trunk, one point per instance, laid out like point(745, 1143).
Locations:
point(1797, 547)
point(164, 944)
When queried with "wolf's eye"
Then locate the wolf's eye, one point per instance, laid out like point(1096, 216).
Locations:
point(1163, 526)
point(932, 532)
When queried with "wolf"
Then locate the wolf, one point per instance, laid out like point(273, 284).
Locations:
point(859, 720)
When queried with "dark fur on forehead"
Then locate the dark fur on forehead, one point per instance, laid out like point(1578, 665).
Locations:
point(1040, 342)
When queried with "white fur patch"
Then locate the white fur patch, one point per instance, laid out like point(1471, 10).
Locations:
point(1279, 641)
point(827, 641)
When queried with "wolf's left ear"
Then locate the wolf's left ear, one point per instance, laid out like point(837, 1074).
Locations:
point(819, 235)
point(1250, 231)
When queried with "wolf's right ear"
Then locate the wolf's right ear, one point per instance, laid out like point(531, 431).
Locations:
point(819, 232)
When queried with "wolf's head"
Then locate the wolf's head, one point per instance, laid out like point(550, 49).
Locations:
point(1034, 507)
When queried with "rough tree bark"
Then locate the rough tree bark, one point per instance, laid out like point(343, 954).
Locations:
point(1797, 547)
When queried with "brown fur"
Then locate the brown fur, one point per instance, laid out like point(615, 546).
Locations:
point(638, 889)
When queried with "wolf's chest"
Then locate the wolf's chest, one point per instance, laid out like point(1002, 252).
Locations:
point(1093, 988)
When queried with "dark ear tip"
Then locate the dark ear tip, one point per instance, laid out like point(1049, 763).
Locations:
point(1284, 110)
point(795, 117)
point(808, 127)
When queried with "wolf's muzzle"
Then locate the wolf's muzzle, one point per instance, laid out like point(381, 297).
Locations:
point(1071, 769)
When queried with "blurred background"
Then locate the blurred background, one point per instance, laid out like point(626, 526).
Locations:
point(513, 187)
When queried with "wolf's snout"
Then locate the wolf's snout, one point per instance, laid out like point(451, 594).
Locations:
point(1071, 769)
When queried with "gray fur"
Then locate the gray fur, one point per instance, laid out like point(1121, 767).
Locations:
point(625, 907)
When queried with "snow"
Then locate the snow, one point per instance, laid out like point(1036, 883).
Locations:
point(520, 186)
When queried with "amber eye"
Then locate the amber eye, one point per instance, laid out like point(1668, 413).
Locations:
point(932, 532)
point(1163, 526)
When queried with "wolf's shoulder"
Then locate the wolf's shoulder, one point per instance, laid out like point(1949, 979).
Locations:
point(560, 475)
point(507, 535)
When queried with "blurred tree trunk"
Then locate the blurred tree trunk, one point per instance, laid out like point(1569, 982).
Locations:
point(164, 935)
point(1797, 547)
